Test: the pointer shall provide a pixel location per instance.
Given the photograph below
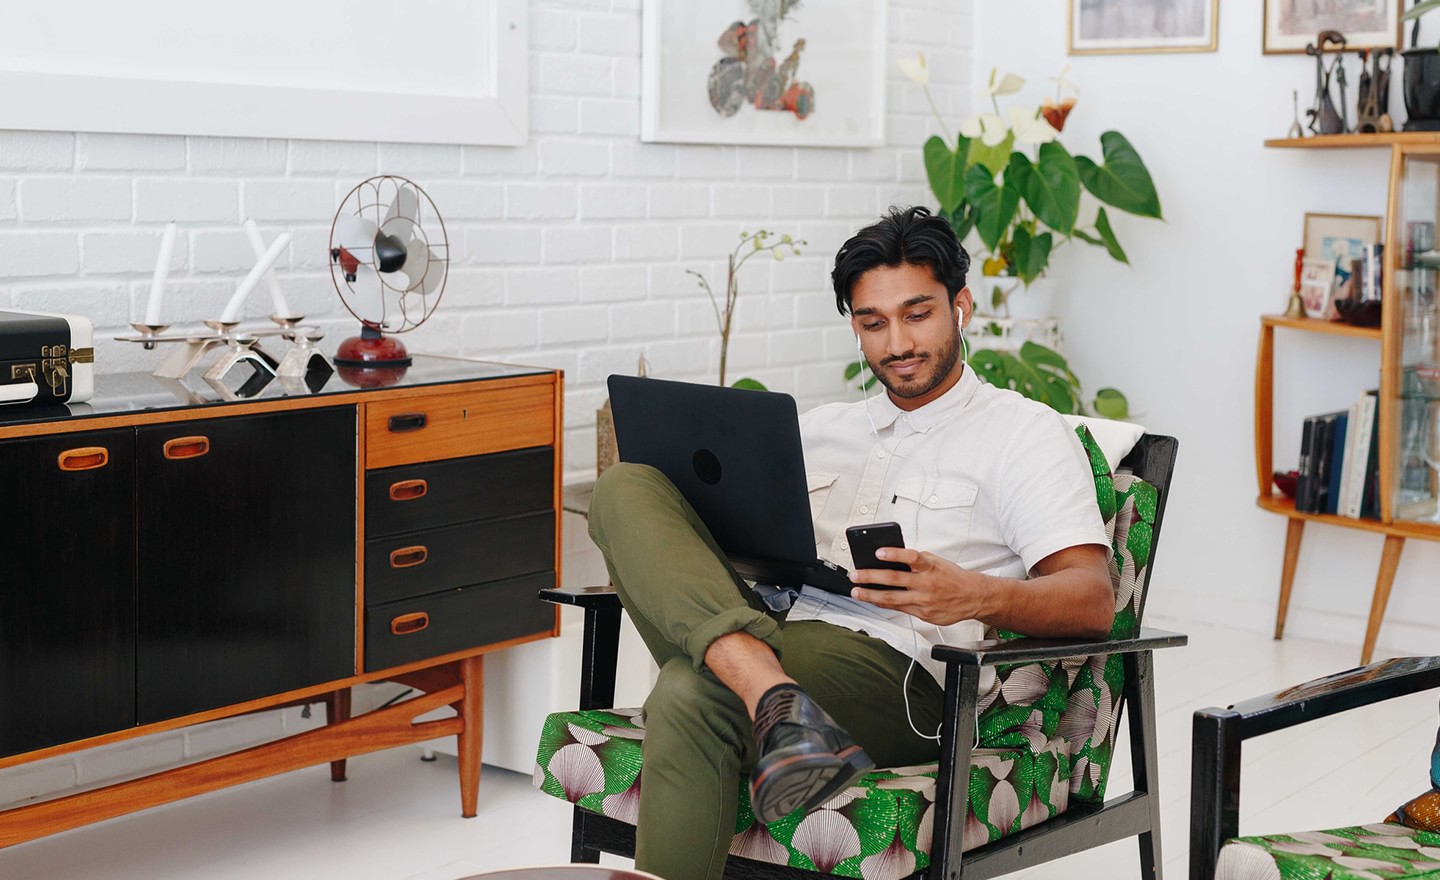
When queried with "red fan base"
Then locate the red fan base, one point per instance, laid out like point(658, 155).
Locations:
point(372, 349)
point(372, 359)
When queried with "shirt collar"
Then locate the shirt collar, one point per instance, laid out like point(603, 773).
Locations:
point(933, 413)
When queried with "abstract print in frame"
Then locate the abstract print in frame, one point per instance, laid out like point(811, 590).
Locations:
point(1119, 27)
point(1366, 24)
point(779, 72)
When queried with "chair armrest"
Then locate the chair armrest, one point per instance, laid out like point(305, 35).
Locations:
point(1329, 695)
point(993, 652)
point(600, 652)
point(597, 598)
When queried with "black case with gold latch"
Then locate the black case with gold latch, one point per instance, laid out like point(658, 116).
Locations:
point(45, 358)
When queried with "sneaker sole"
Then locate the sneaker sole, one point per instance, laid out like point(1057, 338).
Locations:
point(805, 781)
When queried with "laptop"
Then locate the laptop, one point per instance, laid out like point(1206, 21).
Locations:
point(736, 457)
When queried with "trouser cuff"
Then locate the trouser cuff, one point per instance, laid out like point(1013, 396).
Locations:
point(748, 620)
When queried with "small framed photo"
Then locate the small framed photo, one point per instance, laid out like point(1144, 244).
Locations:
point(1123, 27)
point(1317, 287)
point(1340, 238)
point(1366, 24)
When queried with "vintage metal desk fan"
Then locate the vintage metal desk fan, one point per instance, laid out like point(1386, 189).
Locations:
point(389, 258)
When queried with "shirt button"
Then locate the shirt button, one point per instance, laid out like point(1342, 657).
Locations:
point(844, 546)
point(933, 499)
point(864, 509)
point(880, 454)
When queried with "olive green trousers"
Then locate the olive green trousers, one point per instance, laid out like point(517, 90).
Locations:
point(681, 595)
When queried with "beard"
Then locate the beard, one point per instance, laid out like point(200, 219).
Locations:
point(928, 378)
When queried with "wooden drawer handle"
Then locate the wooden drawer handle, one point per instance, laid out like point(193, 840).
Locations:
point(407, 624)
point(86, 458)
point(408, 557)
point(186, 447)
point(408, 490)
point(403, 422)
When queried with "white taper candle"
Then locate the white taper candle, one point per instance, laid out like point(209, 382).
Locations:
point(162, 270)
point(232, 308)
point(277, 293)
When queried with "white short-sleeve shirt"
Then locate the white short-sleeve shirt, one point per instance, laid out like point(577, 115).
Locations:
point(980, 476)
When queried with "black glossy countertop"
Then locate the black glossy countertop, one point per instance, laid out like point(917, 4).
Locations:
point(126, 393)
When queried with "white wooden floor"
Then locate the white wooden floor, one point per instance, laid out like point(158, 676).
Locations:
point(397, 818)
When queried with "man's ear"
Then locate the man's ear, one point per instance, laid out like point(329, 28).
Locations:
point(965, 305)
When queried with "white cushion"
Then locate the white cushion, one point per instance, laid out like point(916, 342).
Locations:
point(1116, 439)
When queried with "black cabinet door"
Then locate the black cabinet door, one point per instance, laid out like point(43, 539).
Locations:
point(67, 599)
point(246, 558)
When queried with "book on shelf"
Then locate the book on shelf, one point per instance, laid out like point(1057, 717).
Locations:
point(1365, 456)
point(1304, 480)
point(1347, 459)
point(1317, 460)
point(1332, 464)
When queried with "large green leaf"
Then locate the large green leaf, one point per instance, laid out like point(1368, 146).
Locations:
point(994, 205)
point(962, 220)
point(993, 158)
point(1123, 181)
point(1111, 404)
point(1107, 235)
point(1032, 253)
point(1042, 356)
point(1053, 191)
point(946, 171)
point(749, 384)
point(1420, 9)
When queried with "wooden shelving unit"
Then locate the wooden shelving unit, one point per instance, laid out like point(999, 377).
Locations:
point(1403, 147)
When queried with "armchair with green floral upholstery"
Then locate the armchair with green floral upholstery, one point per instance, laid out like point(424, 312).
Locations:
point(1034, 783)
point(1404, 846)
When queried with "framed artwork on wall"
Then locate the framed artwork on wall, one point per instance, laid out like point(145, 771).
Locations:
point(453, 72)
point(777, 72)
point(1366, 24)
point(1120, 27)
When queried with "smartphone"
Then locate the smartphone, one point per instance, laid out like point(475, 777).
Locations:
point(865, 540)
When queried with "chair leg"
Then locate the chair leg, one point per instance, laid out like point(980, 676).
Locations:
point(579, 852)
point(1144, 757)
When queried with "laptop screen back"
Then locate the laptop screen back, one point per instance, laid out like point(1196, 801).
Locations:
point(734, 454)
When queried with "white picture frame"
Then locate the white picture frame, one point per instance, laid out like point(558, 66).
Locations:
point(1290, 25)
point(1128, 27)
point(842, 62)
point(325, 72)
point(1317, 286)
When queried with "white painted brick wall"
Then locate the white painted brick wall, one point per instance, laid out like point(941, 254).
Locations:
point(568, 252)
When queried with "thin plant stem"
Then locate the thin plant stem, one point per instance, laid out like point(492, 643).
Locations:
point(944, 129)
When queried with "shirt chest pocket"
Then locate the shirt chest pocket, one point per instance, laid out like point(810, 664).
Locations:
point(940, 514)
point(819, 484)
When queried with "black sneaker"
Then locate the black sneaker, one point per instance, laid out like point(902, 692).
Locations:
point(805, 757)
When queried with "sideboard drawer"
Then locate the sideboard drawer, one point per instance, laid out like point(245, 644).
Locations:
point(433, 427)
point(423, 496)
point(417, 563)
point(416, 629)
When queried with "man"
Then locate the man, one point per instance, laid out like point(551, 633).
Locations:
point(988, 488)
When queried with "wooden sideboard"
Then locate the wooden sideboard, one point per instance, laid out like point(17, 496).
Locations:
point(174, 556)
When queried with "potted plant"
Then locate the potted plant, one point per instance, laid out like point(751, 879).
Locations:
point(751, 244)
point(1422, 74)
point(1010, 181)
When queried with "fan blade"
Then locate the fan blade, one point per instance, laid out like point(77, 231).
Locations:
point(367, 298)
point(406, 204)
point(416, 268)
point(355, 233)
point(435, 274)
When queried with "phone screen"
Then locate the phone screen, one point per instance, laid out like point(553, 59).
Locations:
point(865, 540)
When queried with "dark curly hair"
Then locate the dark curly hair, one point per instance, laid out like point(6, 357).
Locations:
point(904, 235)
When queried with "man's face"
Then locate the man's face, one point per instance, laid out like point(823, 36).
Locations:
point(909, 331)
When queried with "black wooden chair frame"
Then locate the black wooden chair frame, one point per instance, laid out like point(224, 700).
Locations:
point(1217, 735)
point(1081, 827)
